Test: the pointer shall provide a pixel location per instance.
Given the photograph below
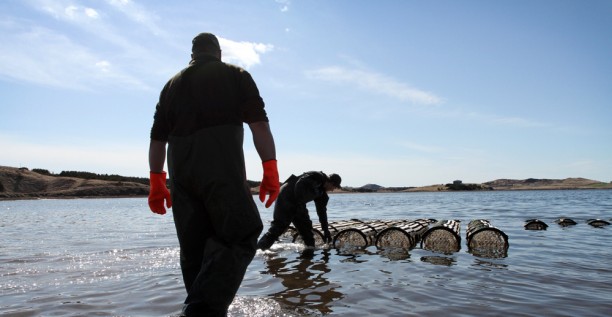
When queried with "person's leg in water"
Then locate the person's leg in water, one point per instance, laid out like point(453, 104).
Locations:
point(284, 209)
point(213, 271)
point(303, 224)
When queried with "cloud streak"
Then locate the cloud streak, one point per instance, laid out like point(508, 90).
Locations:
point(507, 120)
point(423, 148)
point(376, 83)
point(57, 61)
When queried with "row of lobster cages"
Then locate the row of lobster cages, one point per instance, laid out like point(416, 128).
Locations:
point(443, 236)
point(361, 235)
point(335, 228)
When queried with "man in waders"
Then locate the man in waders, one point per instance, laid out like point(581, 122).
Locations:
point(200, 117)
point(291, 207)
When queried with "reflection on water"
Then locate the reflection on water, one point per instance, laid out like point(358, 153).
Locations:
point(305, 280)
point(394, 254)
point(438, 260)
point(488, 265)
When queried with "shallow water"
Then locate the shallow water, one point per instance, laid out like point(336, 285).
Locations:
point(113, 257)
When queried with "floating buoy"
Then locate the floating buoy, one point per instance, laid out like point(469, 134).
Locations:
point(443, 236)
point(535, 224)
point(598, 223)
point(564, 222)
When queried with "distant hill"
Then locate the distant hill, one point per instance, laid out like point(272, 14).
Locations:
point(516, 184)
point(23, 183)
point(535, 183)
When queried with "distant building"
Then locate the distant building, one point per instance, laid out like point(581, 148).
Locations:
point(457, 182)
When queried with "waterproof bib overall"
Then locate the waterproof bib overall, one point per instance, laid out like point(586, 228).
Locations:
point(216, 219)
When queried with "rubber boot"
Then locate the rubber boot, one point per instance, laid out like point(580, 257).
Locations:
point(265, 242)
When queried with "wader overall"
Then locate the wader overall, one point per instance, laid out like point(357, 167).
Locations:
point(216, 219)
point(201, 111)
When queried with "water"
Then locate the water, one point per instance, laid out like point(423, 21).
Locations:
point(113, 257)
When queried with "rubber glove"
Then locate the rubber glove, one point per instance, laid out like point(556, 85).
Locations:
point(327, 238)
point(158, 193)
point(270, 184)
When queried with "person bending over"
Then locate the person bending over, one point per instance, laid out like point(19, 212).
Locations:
point(290, 207)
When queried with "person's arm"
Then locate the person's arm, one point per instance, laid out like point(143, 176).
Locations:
point(321, 206)
point(157, 156)
point(264, 144)
point(263, 140)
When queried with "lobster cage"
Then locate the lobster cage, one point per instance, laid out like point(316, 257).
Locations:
point(334, 228)
point(405, 234)
point(483, 239)
point(443, 237)
point(361, 235)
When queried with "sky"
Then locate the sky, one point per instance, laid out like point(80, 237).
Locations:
point(394, 93)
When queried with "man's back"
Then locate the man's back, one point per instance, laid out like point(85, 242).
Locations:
point(207, 93)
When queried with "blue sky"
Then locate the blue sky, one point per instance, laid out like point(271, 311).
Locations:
point(397, 93)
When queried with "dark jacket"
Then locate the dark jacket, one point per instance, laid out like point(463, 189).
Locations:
point(310, 186)
point(207, 93)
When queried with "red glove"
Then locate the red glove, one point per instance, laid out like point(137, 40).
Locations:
point(158, 193)
point(269, 184)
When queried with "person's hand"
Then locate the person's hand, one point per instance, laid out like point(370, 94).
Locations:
point(158, 193)
point(270, 184)
point(327, 238)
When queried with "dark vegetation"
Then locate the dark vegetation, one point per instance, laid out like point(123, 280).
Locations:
point(462, 186)
point(89, 175)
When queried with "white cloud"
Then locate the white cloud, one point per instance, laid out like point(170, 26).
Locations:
point(71, 11)
point(284, 5)
point(245, 54)
point(57, 60)
point(507, 120)
point(376, 83)
point(103, 66)
point(64, 10)
point(138, 14)
point(91, 13)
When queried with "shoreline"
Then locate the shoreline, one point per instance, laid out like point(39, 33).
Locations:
point(45, 197)
point(25, 184)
